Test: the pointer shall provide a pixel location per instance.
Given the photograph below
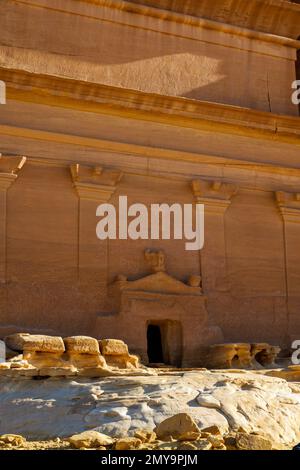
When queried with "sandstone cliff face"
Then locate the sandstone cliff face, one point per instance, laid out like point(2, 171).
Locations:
point(119, 406)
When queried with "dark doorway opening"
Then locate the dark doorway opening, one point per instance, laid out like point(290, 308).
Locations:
point(154, 345)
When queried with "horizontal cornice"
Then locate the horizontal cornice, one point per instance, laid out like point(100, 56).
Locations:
point(177, 111)
point(278, 17)
point(273, 21)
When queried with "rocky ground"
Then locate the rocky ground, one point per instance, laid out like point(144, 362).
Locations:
point(250, 410)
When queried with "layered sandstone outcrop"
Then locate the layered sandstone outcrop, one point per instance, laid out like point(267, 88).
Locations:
point(75, 355)
point(240, 356)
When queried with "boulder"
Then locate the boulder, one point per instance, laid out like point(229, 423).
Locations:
point(16, 341)
point(145, 436)
point(82, 345)
point(189, 436)
point(128, 443)
point(203, 444)
point(175, 426)
point(208, 401)
point(215, 430)
point(90, 440)
point(113, 347)
point(43, 343)
point(252, 442)
point(216, 441)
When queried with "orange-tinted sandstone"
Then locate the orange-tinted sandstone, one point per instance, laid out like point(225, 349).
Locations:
point(174, 102)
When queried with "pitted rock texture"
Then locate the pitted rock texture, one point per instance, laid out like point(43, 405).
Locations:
point(119, 406)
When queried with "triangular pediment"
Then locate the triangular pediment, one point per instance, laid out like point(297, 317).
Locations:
point(161, 282)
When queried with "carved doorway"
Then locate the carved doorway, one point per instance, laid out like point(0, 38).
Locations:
point(154, 345)
point(164, 342)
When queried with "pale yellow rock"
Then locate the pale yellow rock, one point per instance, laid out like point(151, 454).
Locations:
point(113, 347)
point(176, 426)
point(203, 444)
point(167, 446)
point(189, 436)
point(13, 439)
point(19, 364)
point(44, 359)
point(221, 447)
point(86, 360)
point(43, 343)
point(5, 365)
point(252, 442)
point(126, 361)
point(211, 430)
point(187, 446)
point(145, 436)
point(82, 345)
point(90, 439)
point(128, 443)
point(216, 441)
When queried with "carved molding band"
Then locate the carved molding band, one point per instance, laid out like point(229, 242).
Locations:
point(95, 182)
point(214, 194)
point(9, 169)
point(289, 206)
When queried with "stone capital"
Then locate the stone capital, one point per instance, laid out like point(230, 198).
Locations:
point(95, 183)
point(215, 195)
point(289, 206)
point(9, 169)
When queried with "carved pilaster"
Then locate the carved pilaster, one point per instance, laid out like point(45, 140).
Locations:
point(289, 208)
point(9, 170)
point(216, 197)
point(94, 185)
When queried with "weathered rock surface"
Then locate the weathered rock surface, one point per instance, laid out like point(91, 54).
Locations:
point(176, 426)
point(43, 343)
point(128, 443)
point(90, 439)
point(74, 356)
point(82, 345)
point(252, 442)
point(239, 355)
point(16, 341)
point(119, 406)
point(113, 347)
